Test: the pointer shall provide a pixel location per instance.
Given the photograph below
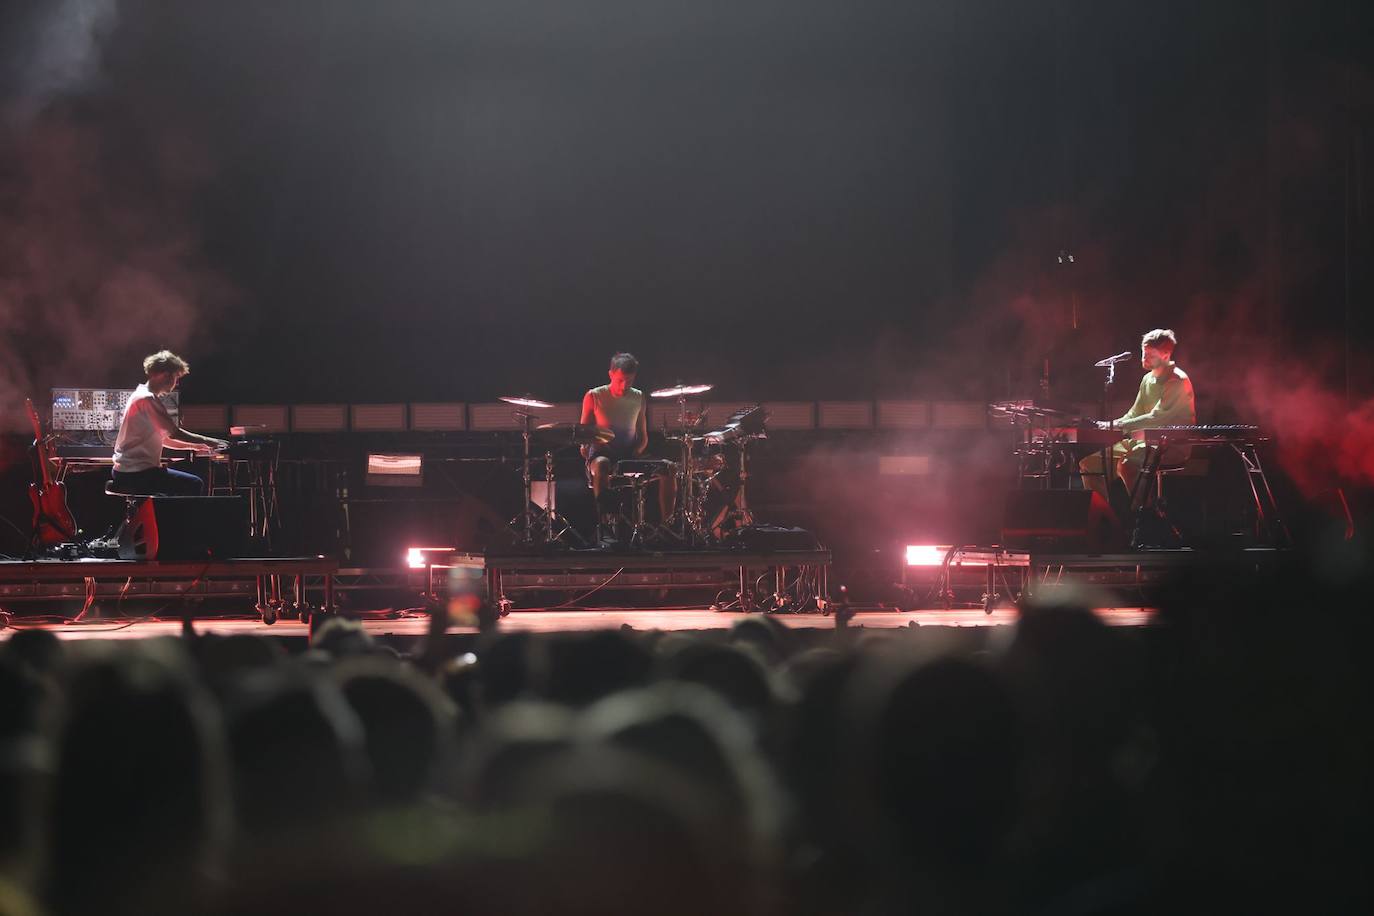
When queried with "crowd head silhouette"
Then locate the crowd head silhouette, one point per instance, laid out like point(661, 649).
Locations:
point(1213, 762)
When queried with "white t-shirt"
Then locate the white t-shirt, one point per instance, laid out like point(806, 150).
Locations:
point(144, 428)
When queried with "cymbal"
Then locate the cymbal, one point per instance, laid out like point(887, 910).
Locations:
point(678, 391)
point(576, 433)
point(524, 400)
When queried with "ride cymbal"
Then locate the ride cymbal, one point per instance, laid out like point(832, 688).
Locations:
point(680, 391)
point(524, 400)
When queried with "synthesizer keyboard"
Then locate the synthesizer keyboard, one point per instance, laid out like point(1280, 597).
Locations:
point(1238, 433)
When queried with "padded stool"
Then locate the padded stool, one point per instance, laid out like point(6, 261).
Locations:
point(636, 483)
point(181, 528)
point(136, 541)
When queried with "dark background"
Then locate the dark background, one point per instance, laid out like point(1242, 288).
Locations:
point(346, 201)
point(343, 200)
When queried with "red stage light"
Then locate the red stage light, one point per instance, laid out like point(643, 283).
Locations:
point(934, 555)
point(925, 555)
point(421, 557)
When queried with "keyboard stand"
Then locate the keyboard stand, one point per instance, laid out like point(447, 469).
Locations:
point(1269, 520)
point(1270, 528)
point(256, 479)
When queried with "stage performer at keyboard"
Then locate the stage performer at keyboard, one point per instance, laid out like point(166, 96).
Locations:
point(1165, 399)
point(147, 427)
point(620, 408)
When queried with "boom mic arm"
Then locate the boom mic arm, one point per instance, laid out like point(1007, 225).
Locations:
point(1113, 360)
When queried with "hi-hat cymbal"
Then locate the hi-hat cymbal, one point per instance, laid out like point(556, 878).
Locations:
point(524, 400)
point(679, 391)
point(576, 433)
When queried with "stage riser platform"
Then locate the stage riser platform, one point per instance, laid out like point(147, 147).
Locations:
point(934, 626)
point(280, 585)
point(35, 587)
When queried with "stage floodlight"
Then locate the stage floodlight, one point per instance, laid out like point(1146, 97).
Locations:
point(904, 465)
point(422, 557)
point(925, 554)
point(319, 418)
point(391, 470)
point(790, 414)
point(378, 418)
point(443, 418)
point(261, 418)
point(845, 414)
point(496, 416)
point(934, 555)
point(959, 415)
point(214, 417)
point(903, 414)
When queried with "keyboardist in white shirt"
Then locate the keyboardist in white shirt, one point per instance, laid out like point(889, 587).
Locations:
point(146, 428)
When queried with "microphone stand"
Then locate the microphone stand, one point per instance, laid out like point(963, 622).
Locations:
point(1107, 449)
point(1107, 386)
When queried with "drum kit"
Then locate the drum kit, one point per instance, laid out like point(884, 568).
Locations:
point(712, 501)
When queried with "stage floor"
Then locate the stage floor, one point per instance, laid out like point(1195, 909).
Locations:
point(556, 621)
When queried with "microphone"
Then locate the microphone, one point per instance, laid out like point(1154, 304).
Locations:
point(1112, 360)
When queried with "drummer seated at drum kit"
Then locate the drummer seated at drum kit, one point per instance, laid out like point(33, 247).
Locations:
point(619, 407)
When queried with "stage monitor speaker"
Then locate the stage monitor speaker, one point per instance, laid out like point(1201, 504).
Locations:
point(172, 528)
point(1058, 521)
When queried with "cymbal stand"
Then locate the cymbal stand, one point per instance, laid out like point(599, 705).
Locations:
point(691, 496)
point(684, 490)
point(556, 527)
point(526, 523)
point(682, 514)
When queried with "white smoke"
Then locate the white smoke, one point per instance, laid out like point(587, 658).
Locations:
point(57, 54)
point(100, 260)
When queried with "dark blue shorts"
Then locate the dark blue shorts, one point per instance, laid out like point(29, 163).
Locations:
point(612, 450)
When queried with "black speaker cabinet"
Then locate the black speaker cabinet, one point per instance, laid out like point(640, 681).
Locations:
point(1058, 521)
point(171, 528)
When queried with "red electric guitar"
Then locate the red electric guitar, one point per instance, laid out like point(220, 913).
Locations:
point(53, 523)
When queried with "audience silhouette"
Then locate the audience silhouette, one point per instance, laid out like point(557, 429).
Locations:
point(1216, 761)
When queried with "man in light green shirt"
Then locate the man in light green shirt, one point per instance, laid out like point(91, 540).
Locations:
point(1165, 399)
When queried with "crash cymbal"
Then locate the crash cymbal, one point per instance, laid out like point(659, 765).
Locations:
point(680, 391)
point(524, 400)
point(576, 433)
